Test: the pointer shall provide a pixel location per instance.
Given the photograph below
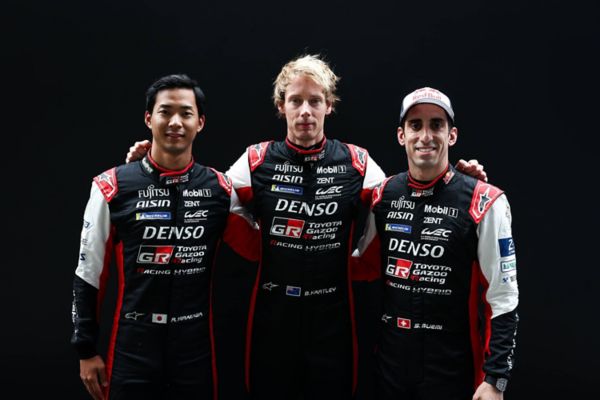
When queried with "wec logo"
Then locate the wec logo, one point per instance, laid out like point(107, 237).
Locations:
point(287, 227)
point(436, 232)
point(331, 190)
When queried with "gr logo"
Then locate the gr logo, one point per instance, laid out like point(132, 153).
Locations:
point(398, 267)
point(287, 227)
point(155, 254)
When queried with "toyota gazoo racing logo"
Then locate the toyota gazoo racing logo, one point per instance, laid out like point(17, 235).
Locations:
point(398, 267)
point(287, 227)
point(155, 254)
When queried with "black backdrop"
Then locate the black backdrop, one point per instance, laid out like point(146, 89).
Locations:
point(520, 74)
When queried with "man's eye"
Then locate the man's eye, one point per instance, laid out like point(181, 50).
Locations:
point(315, 101)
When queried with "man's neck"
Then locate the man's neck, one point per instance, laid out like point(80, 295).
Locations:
point(170, 161)
point(426, 174)
point(306, 143)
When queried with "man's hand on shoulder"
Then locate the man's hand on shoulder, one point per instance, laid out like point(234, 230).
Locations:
point(472, 168)
point(138, 150)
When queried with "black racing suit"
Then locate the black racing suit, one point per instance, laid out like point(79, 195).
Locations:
point(164, 228)
point(446, 257)
point(300, 340)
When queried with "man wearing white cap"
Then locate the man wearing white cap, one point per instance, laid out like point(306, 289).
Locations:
point(441, 243)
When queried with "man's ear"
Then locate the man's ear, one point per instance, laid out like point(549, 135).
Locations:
point(148, 119)
point(401, 138)
point(201, 122)
point(453, 136)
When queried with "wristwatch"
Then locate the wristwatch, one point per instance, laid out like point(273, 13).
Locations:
point(498, 383)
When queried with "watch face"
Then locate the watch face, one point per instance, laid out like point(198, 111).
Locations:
point(501, 384)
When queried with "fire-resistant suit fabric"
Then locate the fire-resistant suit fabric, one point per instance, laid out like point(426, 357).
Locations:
point(301, 339)
point(445, 255)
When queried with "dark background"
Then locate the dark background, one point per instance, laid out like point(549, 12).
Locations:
point(520, 75)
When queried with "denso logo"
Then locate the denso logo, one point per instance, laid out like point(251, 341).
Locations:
point(155, 254)
point(398, 267)
point(287, 227)
point(332, 169)
point(329, 191)
point(173, 232)
point(416, 249)
point(300, 207)
point(197, 193)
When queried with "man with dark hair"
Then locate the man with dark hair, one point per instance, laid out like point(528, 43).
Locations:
point(162, 217)
point(180, 81)
point(441, 242)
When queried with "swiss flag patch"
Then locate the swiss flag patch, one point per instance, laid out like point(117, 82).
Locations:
point(403, 323)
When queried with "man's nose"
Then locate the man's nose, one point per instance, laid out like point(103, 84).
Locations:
point(426, 135)
point(305, 109)
point(175, 120)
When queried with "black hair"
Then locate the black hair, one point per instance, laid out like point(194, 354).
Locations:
point(176, 81)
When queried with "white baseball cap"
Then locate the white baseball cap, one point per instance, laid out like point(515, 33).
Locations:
point(426, 95)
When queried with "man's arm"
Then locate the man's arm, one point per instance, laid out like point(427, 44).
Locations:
point(241, 232)
point(472, 168)
point(497, 259)
point(138, 151)
point(94, 256)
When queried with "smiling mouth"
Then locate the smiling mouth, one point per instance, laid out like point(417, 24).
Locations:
point(175, 134)
point(425, 149)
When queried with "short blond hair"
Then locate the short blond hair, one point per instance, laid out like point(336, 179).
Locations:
point(309, 65)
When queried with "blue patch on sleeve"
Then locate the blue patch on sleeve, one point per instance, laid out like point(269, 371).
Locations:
point(507, 247)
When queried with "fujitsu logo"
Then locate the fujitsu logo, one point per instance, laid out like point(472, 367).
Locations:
point(401, 203)
point(287, 167)
point(151, 191)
